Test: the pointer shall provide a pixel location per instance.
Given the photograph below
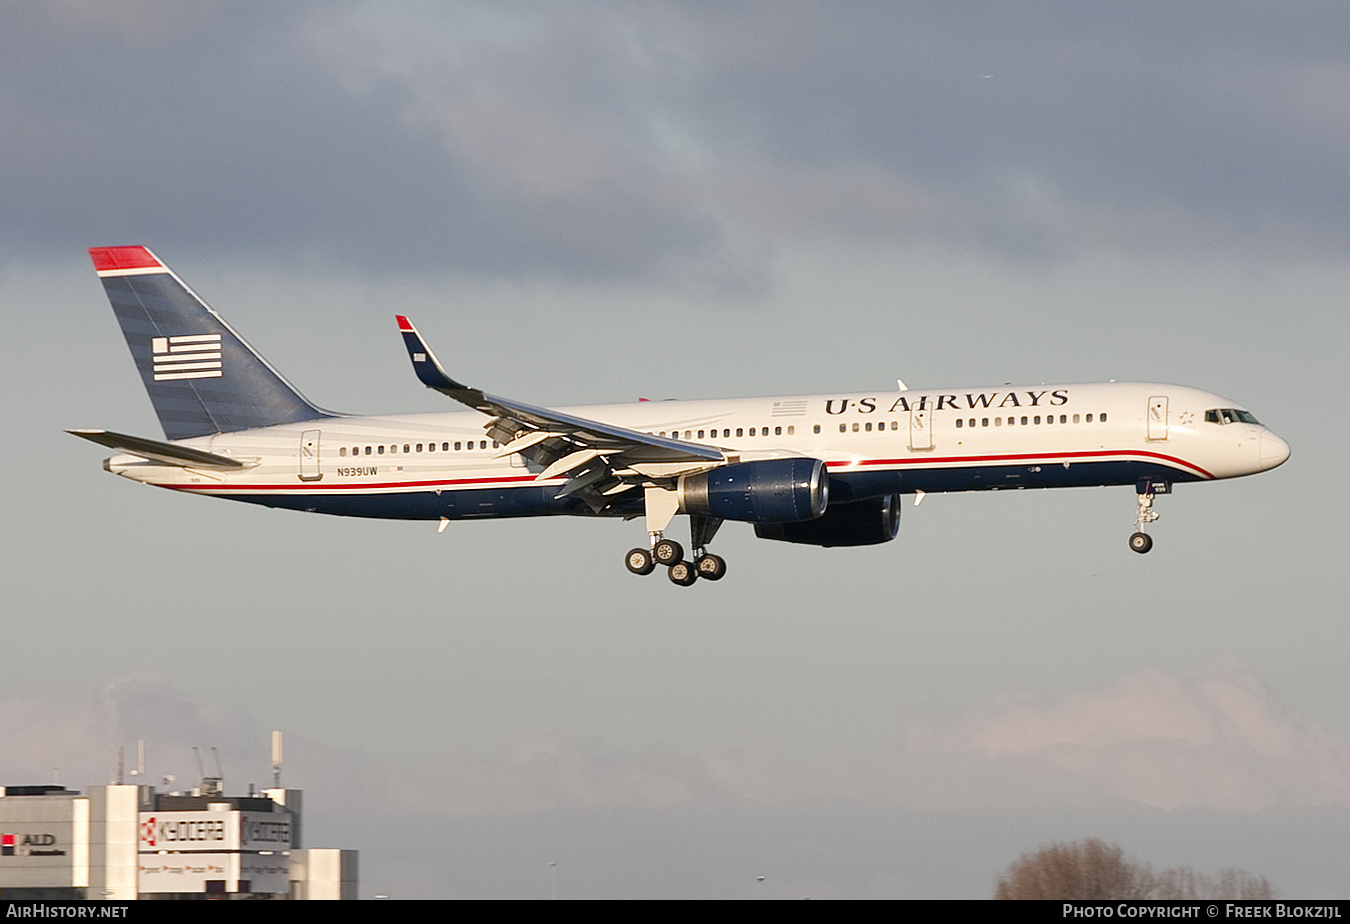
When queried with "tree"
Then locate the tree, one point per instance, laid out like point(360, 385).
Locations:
point(1093, 869)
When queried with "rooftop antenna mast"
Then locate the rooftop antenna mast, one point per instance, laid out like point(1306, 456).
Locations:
point(276, 760)
point(140, 758)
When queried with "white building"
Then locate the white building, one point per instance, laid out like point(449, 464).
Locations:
point(128, 842)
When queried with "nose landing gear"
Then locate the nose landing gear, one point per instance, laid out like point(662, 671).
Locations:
point(1141, 541)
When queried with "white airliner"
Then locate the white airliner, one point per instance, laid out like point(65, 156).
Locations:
point(826, 470)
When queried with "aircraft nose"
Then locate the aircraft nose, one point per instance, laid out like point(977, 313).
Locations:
point(1274, 451)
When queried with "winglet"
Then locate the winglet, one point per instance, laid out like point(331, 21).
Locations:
point(428, 370)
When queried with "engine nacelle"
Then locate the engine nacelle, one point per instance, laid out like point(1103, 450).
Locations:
point(869, 522)
point(769, 491)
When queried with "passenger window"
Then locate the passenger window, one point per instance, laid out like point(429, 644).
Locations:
point(817, 429)
point(1063, 418)
point(1089, 418)
point(1075, 418)
point(458, 446)
point(1024, 421)
point(342, 450)
point(792, 431)
point(998, 421)
point(740, 431)
point(868, 426)
point(379, 450)
point(777, 431)
point(405, 447)
point(984, 421)
point(843, 428)
point(855, 428)
point(972, 422)
point(700, 434)
point(958, 423)
point(1101, 418)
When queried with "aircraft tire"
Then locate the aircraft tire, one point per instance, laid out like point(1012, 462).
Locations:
point(667, 552)
point(1141, 542)
point(711, 567)
point(640, 561)
point(683, 573)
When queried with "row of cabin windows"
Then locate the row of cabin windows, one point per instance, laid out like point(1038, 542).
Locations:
point(726, 433)
point(867, 427)
point(1030, 421)
point(393, 449)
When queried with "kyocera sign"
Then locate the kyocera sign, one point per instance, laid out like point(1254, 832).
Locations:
point(214, 831)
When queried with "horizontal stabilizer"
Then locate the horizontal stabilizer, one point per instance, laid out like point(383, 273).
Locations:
point(155, 451)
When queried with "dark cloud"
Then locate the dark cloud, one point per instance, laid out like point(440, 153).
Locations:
point(605, 141)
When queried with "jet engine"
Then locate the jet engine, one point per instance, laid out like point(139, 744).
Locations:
point(869, 522)
point(768, 491)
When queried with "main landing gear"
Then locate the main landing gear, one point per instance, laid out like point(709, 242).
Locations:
point(1141, 541)
point(669, 553)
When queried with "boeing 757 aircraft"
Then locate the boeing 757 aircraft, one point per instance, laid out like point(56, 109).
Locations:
point(826, 470)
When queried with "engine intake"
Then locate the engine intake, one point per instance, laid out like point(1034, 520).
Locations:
point(869, 522)
point(769, 491)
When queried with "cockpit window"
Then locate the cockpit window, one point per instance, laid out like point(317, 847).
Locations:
point(1227, 415)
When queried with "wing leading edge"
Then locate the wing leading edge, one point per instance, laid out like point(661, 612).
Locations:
point(602, 461)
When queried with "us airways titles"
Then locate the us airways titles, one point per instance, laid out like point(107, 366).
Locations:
point(967, 401)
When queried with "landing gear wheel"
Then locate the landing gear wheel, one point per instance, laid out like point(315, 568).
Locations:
point(1141, 542)
point(711, 567)
point(640, 561)
point(667, 552)
point(683, 573)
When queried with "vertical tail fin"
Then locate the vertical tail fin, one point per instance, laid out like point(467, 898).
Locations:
point(202, 377)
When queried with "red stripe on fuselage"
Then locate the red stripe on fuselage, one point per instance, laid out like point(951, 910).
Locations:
point(1025, 457)
point(954, 461)
point(312, 488)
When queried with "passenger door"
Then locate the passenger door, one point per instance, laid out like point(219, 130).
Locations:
point(1157, 418)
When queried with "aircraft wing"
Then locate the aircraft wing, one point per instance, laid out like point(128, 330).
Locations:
point(604, 460)
point(156, 451)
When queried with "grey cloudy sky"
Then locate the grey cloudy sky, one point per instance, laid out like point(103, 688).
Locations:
point(596, 202)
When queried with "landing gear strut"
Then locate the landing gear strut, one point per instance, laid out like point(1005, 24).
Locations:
point(670, 553)
point(1141, 541)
